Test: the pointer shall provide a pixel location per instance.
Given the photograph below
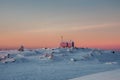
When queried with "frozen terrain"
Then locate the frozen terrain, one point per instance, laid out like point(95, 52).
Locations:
point(57, 63)
point(109, 75)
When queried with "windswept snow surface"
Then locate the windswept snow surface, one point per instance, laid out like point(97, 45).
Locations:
point(109, 75)
point(56, 64)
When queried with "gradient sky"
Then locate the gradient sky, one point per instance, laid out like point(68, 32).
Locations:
point(40, 23)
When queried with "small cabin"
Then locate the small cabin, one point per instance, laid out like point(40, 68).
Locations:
point(67, 44)
point(64, 44)
point(70, 44)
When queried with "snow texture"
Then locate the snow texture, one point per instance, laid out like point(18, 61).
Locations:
point(56, 63)
point(109, 75)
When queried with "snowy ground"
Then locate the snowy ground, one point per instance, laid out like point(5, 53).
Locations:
point(109, 75)
point(65, 64)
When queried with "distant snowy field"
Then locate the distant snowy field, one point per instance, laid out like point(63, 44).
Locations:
point(58, 64)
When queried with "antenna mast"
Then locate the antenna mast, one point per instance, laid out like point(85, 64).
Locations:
point(61, 38)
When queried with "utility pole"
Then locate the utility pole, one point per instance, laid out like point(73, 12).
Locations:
point(61, 38)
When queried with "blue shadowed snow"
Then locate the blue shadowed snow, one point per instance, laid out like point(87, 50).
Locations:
point(65, 64)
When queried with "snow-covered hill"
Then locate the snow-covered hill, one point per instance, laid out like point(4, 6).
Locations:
point(56, 63)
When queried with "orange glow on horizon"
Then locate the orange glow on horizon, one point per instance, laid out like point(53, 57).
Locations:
point(53, 40)
point(50, 37)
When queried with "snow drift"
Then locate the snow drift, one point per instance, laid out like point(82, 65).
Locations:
point(56, 63)
point(109, 75)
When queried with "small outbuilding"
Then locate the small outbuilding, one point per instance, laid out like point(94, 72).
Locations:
point(67, 44)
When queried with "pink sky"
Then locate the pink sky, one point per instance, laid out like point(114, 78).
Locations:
point(36, 24)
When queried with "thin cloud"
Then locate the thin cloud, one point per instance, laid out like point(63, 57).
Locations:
point(99, 26)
